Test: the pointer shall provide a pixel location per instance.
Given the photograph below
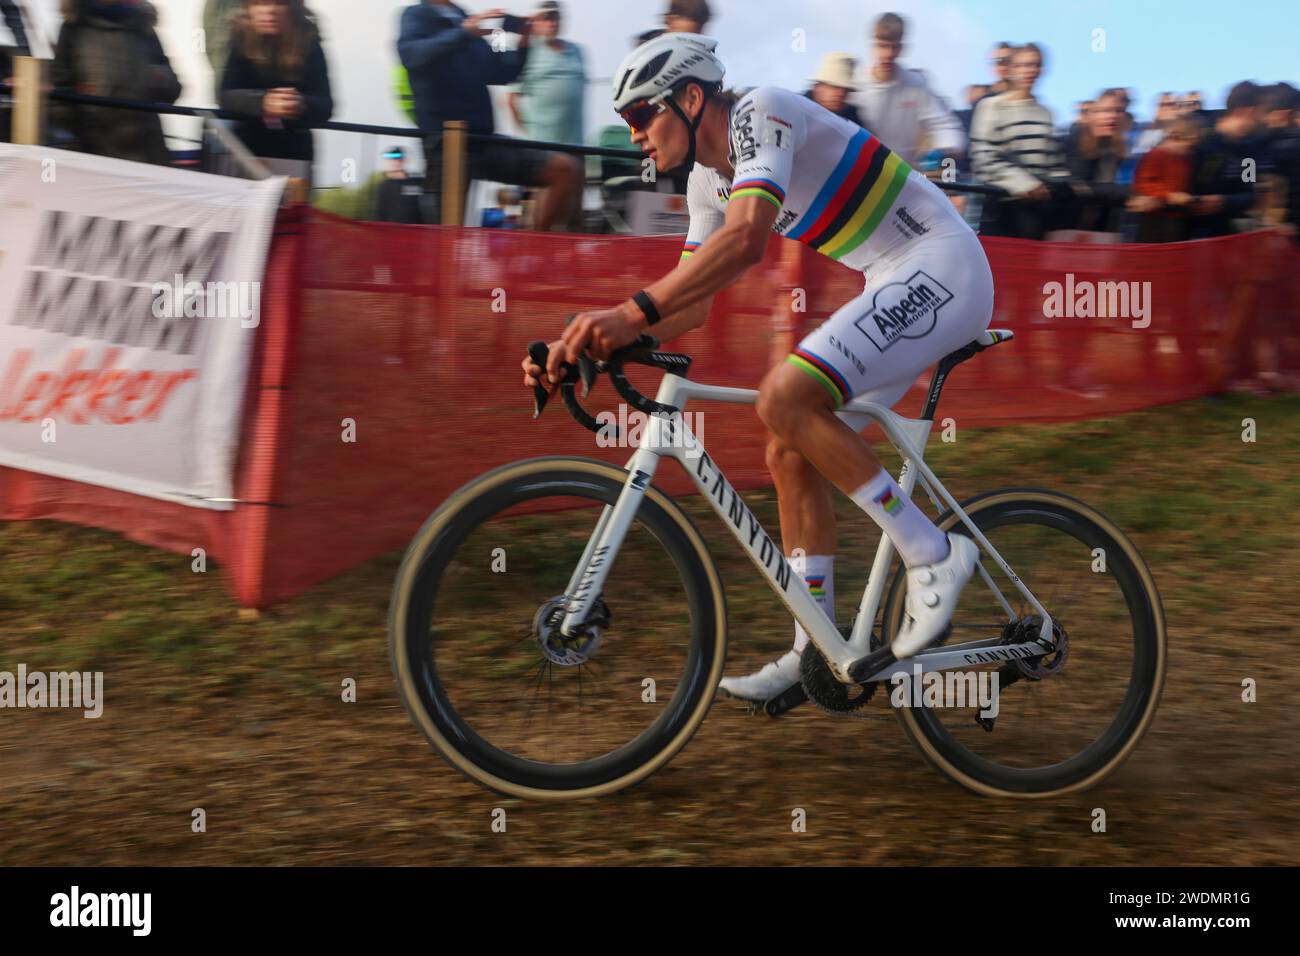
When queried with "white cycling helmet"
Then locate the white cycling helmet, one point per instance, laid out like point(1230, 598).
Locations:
point(651, 73)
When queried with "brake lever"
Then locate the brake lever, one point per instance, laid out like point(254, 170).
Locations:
point(538, 352)
point(587, 371)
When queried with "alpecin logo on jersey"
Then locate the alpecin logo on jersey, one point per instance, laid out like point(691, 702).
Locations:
point(742, 134)
point(904, 310)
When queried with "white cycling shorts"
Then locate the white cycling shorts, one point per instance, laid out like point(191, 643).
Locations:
point(916, 308)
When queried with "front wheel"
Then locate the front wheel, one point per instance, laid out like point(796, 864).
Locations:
point(483, 668)
point(1064, 721)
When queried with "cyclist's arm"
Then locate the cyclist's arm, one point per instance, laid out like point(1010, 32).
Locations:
point(767, 130)
point(683, 320)
point(722, 259)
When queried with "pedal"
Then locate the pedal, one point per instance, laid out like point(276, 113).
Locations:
point(786, 701)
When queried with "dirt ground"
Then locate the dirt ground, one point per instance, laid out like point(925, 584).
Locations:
point(244, 721)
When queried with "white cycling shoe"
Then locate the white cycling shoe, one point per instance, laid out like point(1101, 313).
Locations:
point(773, 679)
point(932, 593)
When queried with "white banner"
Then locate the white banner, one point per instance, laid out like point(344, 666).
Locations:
point(130, 296)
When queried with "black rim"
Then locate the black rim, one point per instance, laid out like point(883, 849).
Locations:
point(1142, 675)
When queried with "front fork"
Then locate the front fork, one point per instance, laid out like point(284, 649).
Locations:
point(588, 580)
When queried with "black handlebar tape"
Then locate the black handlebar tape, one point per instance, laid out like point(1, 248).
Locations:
point(642, 350)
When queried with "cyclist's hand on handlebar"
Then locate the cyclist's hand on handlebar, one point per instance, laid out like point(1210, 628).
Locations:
point(597, 333)
point(533, 372)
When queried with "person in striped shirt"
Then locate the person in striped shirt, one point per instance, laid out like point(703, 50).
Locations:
point(1013, 145)
point(774, 161)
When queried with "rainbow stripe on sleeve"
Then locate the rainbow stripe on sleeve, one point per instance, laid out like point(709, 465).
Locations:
point(689, 249)
point(763, 188)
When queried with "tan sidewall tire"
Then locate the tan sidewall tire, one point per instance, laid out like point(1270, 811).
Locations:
point(408, 573)
point(912, 727)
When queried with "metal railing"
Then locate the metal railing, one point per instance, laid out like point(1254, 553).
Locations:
point(30, 117)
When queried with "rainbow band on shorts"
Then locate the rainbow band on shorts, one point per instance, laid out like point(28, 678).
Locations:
point(763, 188)
point(823, 372)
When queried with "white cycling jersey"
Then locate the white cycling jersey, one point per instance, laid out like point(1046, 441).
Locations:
point(928, 288)
point(839, 189)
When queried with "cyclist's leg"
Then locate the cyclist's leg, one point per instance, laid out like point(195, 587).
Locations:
point(912, 312)
point(806, 506)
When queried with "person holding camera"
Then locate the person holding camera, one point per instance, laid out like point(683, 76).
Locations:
point(451, 64)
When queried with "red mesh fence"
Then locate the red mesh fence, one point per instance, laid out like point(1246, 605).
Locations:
point(387, 372)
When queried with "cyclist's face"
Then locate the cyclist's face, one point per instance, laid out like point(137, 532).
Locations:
point(665, 137)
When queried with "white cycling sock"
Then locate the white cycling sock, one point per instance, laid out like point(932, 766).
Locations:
point(918, 541)
point(818, 572)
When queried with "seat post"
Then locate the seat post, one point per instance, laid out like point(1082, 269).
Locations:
point(946, 365)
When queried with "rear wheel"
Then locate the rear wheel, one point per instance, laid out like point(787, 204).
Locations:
point(1066, 720)
point(479, 658)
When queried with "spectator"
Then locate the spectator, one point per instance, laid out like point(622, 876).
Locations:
point(1192, 104)
point(831, 86)
point(974, 93)
point(277, 76)
point(112, 49)
point(13, 18)
point(1014, 146)
point(896, 103)
point(687, 16)
point(398, 199)
point(1282, 150)
point(1161, 196)
point(1001, 62)
point(1094, 152)
point(451, 65)
point(1221, 190)
point(218, 16)
point(548, 100)
point(1153, 134)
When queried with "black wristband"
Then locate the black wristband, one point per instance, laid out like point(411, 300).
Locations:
point(647, 306)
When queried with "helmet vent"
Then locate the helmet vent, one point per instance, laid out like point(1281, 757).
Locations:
point(652, 68)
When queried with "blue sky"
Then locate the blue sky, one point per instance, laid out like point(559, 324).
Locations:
point(1150, 45)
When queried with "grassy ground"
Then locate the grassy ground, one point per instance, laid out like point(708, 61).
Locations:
point(244, 719)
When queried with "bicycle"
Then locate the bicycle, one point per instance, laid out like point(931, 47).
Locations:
point(645, 559)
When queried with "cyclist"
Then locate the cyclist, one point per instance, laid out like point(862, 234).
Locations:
point(773, 161)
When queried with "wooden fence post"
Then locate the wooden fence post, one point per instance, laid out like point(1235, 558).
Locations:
point(29, 101)
point(453, 172)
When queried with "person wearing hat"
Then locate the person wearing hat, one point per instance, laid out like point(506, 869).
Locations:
point(833, 83)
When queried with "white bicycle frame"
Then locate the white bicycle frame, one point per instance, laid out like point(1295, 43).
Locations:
point(668, 435)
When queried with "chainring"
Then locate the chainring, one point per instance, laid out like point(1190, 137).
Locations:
point(825, 690)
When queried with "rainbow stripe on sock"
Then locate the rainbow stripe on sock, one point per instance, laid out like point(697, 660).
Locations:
point(889, 501)
point(823, 372)
point(816, 586)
